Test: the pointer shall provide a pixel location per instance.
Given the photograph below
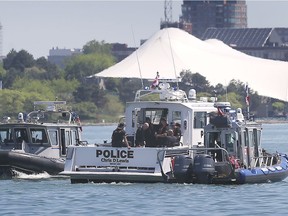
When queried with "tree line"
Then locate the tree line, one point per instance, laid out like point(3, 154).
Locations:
point(25, 80)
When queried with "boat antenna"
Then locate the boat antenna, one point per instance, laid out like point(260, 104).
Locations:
point(172, 58)
point(136, 51)
point(247, 100)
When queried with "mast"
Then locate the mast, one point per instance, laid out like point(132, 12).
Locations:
point(247, 100)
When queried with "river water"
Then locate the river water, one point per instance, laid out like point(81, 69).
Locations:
point(44, 195)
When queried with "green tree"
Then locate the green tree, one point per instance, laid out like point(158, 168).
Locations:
point(81, 66)
point(195, 81)
point(97, 47)
point(2, 72)
point(219, 89)
point(63, 89)
point(111, 84)
point(127, 89)
point(113, 110)
point(90, 93)
point(8, 61)
point(278, 107)
point(87, 110)
point(233, 98)
point(15, 101)
point(19, 61)
point(11, 75)
point(236, 86)
point(51, 70)
point(34, 73)
point(28, 86)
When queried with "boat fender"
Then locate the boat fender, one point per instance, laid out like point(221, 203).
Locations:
point(278, 168)
point(272, 169)
point(265, 170)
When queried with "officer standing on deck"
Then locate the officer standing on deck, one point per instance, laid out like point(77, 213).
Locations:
point(119, 138)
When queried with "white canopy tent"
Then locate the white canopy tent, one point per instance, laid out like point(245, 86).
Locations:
point(172, 50)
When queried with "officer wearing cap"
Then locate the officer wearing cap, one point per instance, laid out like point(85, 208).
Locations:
point(119, 138)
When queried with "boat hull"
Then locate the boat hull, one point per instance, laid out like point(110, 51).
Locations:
point(28, 163)
point(93, 164)
point(256, 175)
point(109, 177)
point(266, 174)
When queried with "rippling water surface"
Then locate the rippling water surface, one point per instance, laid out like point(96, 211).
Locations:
point(43, 195)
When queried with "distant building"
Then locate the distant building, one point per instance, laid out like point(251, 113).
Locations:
point(60, 56)
point(121, 51)
point(181, 25)
point(268, 43)
point(217, 14)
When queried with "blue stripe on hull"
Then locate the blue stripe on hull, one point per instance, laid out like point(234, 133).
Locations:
point(262, 175)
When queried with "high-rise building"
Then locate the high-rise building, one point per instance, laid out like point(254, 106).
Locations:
point(218, 14)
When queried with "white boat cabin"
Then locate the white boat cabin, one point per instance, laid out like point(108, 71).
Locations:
point(39, 133)
point(175, 107)
point(240, 139)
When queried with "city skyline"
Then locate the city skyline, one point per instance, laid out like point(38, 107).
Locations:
point(39, 26)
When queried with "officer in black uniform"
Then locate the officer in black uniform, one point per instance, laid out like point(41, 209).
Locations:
point(119, 138)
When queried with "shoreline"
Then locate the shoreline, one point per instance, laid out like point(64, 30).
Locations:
point(272, 121)
point(260, 120)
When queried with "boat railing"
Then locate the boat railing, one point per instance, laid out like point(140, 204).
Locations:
point(42, 108)
point(161, 94)
point(265, 161)
point(195, 151)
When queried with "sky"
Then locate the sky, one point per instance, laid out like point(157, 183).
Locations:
point(38, 26)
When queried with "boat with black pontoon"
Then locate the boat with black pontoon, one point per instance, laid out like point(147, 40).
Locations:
point(217, 146)
point(37, 142)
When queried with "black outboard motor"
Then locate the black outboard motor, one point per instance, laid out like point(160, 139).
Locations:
point(203, 168)
point(182, 168)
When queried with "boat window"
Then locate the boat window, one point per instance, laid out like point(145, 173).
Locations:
point(38, 136)
point(229, 140)
point(214, 138)
point(136, 113)
point(154, 114)
point(176, 117)
point(21, 134)
point(133, 119)
point(245, 138)
point(256, 140)
point(65, 137)
point(200, 119)
point(214, 141)
point(63, 142)
point(6, 135)
point(251, 139)
point(53, 135)
point(75, 137)
point(68, 138)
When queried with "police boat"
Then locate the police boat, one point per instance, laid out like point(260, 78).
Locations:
point(217, 146)
point(37, 142)
point(233, 154)
point(150, 162)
